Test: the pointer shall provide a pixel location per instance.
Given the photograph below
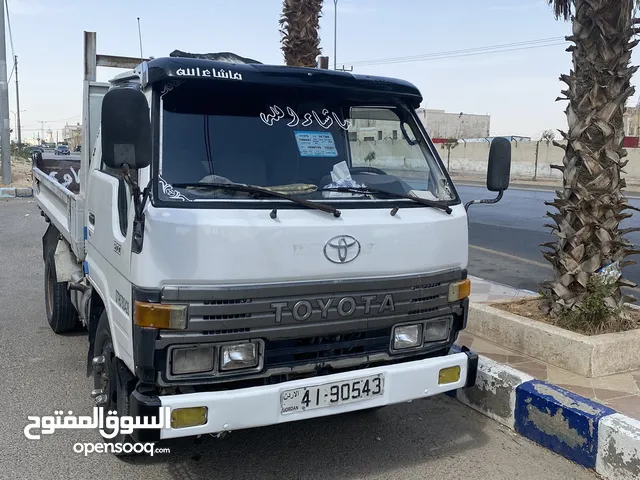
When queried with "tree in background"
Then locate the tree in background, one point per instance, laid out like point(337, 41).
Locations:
point(450, 144)
point(548, 136)
point(300, 30)
point(591, 204)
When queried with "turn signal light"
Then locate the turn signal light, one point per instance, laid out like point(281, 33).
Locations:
point(157, 315)
point(449, 375)
point(459, 290)
point(188, 417)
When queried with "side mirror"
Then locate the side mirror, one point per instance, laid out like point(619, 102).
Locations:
point(499, 169)
point(126, 129)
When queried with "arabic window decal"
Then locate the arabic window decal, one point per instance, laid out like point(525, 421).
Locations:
point(170, 86)
point(209, 73)
point(171, 192)
point(325, 120)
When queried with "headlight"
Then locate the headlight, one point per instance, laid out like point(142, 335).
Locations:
point(197, 359)
point(437, 330)
point(239, 355)
point(407, 336)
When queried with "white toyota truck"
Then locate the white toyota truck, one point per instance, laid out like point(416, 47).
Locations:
point(249, 245)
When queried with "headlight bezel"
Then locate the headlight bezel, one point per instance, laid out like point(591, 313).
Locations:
point(420, 332)
point(259, 356)
point(173, 349)
point(216, 372)
point(425, 344)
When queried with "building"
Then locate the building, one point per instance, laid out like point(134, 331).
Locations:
point(72, 135)
point(631, 122)
point(441, 124)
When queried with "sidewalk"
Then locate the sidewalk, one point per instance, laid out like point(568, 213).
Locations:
point(620, 392)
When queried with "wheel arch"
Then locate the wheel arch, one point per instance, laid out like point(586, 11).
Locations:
point(50, 240)
point(96, 307)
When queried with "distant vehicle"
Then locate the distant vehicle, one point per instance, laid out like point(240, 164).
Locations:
point(62, 150)
point(37, 148)
point(78, 148)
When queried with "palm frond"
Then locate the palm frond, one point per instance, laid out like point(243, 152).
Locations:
point(562, 8)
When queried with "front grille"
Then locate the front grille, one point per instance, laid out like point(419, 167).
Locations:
point(229, 316)
point(368, 304)
point(280, 353)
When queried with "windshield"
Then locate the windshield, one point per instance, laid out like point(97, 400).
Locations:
point(302, 143)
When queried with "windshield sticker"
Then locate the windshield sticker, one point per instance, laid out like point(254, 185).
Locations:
point(208, 73)
point(316, 144)
point(275, 116)
point(325, 120)
point(171, 192)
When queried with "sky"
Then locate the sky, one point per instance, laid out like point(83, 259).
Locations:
point(517, 88)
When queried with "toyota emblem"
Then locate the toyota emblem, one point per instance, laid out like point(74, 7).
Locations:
point(342, 249)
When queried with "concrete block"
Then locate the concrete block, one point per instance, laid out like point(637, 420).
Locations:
point(494, 394)
point(559, 420)
point(618, 448)
point(593, 356)
point(24, 192)
point(7, 192)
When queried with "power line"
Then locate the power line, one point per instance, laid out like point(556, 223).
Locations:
point(59, 120)
point(467, 50)
point(525, 45)
point(468, 54)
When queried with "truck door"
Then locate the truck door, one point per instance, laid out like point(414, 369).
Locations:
point(109, 231)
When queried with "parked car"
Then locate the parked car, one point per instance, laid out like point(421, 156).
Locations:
point(62, 150)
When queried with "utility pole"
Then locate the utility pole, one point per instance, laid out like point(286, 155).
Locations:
point(42, 129)
point(335, 34)
point(5, 143)
point(15, 59)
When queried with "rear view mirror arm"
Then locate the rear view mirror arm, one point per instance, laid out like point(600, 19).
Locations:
point(491, 201)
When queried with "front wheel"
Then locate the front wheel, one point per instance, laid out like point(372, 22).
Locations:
point(108, 380)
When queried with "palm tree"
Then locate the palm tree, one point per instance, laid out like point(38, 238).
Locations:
point(591, 204)
point(300, 27)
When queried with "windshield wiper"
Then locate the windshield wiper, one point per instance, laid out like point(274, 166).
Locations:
point(236, 187)
point(375, 191)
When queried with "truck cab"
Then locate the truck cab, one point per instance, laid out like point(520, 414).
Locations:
point(244, 251)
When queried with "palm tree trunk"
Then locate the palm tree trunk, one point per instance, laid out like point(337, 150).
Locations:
point(591, 205)
point(300, 27)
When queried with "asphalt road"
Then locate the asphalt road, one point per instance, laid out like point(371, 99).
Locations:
point(43, 372)
point(505, 237)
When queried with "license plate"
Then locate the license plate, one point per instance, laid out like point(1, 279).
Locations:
point(331, 394)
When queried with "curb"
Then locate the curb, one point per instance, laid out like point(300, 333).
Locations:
point(11, 192)
point(583, 431)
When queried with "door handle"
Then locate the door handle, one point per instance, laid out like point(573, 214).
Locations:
point(92, 219)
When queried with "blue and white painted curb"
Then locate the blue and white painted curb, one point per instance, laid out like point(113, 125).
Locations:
point(11, 192)
point(583, 431)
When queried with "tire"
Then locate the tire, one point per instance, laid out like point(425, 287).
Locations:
point(108, 379)
point(61, 314)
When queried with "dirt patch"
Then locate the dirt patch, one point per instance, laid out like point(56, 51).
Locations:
point(529, 308)
point(20, 173)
